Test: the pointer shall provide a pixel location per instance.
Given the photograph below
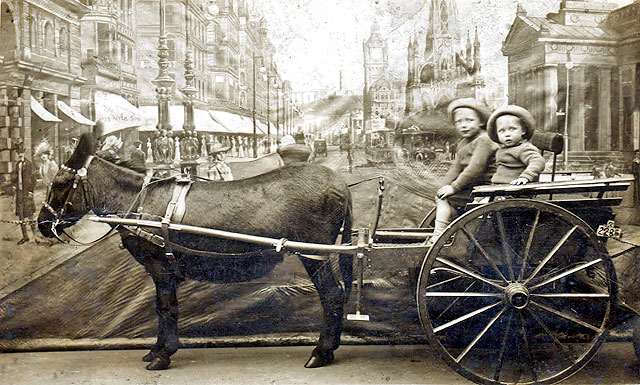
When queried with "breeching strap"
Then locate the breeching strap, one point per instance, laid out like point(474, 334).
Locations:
point(175, 208)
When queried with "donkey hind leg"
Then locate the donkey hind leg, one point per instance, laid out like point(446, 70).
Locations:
point(167, 310)
point(332, 299)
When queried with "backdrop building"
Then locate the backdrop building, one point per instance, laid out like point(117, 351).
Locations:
point(578, 72)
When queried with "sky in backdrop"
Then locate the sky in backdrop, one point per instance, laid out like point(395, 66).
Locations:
point(316, 39)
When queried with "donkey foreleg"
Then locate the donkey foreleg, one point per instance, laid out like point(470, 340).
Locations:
point(167, 310)
point(332, 300)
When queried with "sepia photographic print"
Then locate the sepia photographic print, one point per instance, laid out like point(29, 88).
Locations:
point(319, 192)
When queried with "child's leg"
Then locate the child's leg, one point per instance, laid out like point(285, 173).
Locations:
point(444, 212)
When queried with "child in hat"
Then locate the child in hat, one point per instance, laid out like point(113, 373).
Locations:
point(473, 164)
point(518, 161)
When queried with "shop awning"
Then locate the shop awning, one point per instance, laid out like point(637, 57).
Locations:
point(236, 124)
point(201, 118)
point(42, 112)
point(75, 116)
point(116, 112)
point(249, 123)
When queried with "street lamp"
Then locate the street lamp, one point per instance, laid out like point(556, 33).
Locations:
point(255, 134)
point(276, 85)
point(569, 65)
point(268, 79)
point(164, 88)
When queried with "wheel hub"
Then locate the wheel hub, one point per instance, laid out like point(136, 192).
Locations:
point(517, 295)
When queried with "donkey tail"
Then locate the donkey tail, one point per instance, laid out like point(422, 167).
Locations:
point(346, 260)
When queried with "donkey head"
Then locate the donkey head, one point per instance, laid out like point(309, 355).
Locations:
point(69, 197)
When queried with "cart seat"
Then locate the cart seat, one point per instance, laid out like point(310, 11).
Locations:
point(568, 194)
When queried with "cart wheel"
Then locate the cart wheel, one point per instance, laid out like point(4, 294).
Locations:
point(636, 336)
point(429, 220)
point(517, 291)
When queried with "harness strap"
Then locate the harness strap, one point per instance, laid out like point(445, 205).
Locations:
point(143, 192)
point(175, 207)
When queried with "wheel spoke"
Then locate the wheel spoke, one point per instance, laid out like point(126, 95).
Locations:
point(553, 251)
point(503, 346)
point(505, 245)
point(461, 294)
point(527, 249)
point(455, 301)
point(572, 295)
point(527, 348)
point(481, 334)
point(466, 317)
point(468, 272)
point(445, 281)
point(566, 350)
point(564, 274)
point(566, 316)
point(486, 256)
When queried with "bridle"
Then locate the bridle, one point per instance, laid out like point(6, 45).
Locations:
point(79, 177)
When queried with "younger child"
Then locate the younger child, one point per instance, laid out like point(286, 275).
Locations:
point(517, 160)
point(473, 164)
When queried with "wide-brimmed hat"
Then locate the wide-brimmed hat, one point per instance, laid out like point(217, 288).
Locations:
point(528, 121)
point(111, 141)
point(218, 147)
point(476, 105)
point(136, 143)
point(19, 148)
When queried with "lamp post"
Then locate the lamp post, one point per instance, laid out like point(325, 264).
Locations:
point(569, 65)
point(255, 134)
point(276, 85)
point(163, 152)
point(268, 79)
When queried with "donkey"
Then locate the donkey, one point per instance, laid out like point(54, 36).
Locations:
point(299, 202)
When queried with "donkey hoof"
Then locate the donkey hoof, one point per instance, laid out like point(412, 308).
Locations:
point(317, 361)
point(159, 363)
point(149, 356)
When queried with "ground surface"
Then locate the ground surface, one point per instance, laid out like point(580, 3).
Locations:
point(415, 364)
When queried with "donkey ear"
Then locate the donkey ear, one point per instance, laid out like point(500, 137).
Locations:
point(86, 146)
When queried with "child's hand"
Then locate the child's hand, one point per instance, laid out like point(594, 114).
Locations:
point(520, 181)
point(445, 191)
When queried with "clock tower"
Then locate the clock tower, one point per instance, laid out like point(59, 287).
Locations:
point(376, 72)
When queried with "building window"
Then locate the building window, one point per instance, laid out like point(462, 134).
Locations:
point(123, 52)
point(63, 42)
point(49, 37)
point(104, 40)
point(33, 40)
point(130, 55)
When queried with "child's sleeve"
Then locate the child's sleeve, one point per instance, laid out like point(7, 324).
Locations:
point(530, 155)
point(452, 172)
point(484, 151)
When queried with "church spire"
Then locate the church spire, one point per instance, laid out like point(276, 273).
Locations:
point(476, 50)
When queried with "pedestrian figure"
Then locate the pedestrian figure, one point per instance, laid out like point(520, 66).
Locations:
point(23, 183)
point(350, 157)
point(218, 168)
point(610, 170)
point(635, 169)
point(149, 150)
point(137, 160)
point(48, 169)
